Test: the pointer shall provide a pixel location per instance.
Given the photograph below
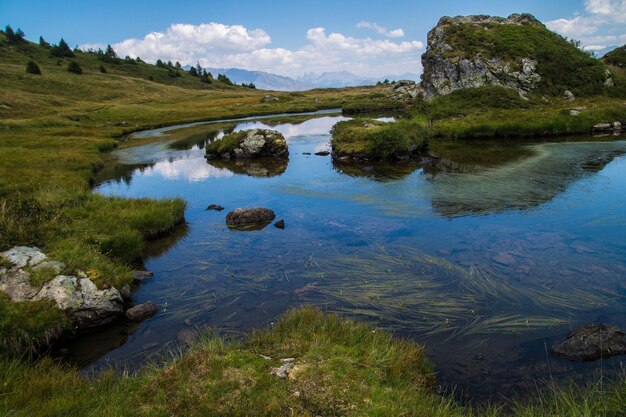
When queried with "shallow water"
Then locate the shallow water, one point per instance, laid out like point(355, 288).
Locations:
point(488, 263)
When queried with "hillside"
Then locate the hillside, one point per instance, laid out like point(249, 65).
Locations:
point(518, 52)
point(616, 57)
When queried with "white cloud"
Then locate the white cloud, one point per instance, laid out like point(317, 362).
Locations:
point(223, 46)
point(602, 18)
point(396, 33)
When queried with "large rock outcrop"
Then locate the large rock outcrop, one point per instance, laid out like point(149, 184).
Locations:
point(517, 52)
point(75, 294)
point(254, 143)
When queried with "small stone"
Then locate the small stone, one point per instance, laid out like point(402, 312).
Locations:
point(505, 259)
point(250, 219)
point(56, 266)
point(322, 153)
point(280, 224)
point(215, 207)
point(186, 336)
point(142, 312)
point(187, 322)
point(568, 96)
point(140, 276)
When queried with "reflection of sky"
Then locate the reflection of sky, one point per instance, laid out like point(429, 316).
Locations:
point(192, 170)
point(315, 127)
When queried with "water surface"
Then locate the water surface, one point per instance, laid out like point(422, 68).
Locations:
point(487, 260)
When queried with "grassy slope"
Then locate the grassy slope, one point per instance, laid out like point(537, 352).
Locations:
point(616, 57)
point(340, 368)
point(53, 130)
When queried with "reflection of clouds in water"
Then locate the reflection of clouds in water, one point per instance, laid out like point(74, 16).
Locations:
point(318, 126)
point(192, 170)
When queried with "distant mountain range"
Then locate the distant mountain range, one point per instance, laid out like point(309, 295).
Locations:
point(348, 79)
point(601, 52)
point(268, 81)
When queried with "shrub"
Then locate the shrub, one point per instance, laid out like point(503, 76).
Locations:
point(33, 68)
point(74, 67)
point(102, 69)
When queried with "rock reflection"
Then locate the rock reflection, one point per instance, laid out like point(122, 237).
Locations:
point(258, 167)
point(377, 171)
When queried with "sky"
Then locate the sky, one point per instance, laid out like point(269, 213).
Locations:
point(292, 37)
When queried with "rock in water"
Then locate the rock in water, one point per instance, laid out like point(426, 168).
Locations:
point(215, 207)
point(142, 311)
point(246, 144)
point(250, 219)
point(140, 276)
point(280, 224)
point(592, 342)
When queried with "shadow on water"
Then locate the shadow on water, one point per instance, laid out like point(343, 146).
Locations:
point(487, 254)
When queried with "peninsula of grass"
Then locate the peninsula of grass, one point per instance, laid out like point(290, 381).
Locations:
point(368, 139)
point(333, 366)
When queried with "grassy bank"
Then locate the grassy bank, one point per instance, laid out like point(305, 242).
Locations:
point(339, 367)
point(495, 112)
point(55, 127)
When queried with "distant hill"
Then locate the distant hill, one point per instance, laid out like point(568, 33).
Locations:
point(262, 80)
point(616, 57)
point(517, 52)
point(268, 81)
point(348, 79)
point(602, 52)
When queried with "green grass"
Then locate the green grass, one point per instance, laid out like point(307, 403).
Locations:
point(371, 139)
point(226, 144)
point(616, 57)
point(340, 367)
point(489, 112)
point(27, 326)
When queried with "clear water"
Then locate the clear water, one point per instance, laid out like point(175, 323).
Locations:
point(486, 259)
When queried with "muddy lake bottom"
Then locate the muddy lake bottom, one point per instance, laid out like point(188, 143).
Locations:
point(486, 263)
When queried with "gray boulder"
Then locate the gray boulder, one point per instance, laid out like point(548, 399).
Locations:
point(592, 342)
point(142, 312)
point(77, 295)
point(250, 218)
point(247, 144)
point(22, 256)
point(447, 70)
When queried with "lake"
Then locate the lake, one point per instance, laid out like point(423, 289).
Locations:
point(488, 256)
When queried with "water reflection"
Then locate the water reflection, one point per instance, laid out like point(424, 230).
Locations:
point(377, 171)
point(258, 167)
point(525, 183)
point(485, 256)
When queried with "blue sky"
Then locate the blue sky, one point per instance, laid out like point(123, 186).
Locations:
point(368, 37)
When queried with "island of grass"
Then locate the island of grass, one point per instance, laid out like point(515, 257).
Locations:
point(373, 140)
